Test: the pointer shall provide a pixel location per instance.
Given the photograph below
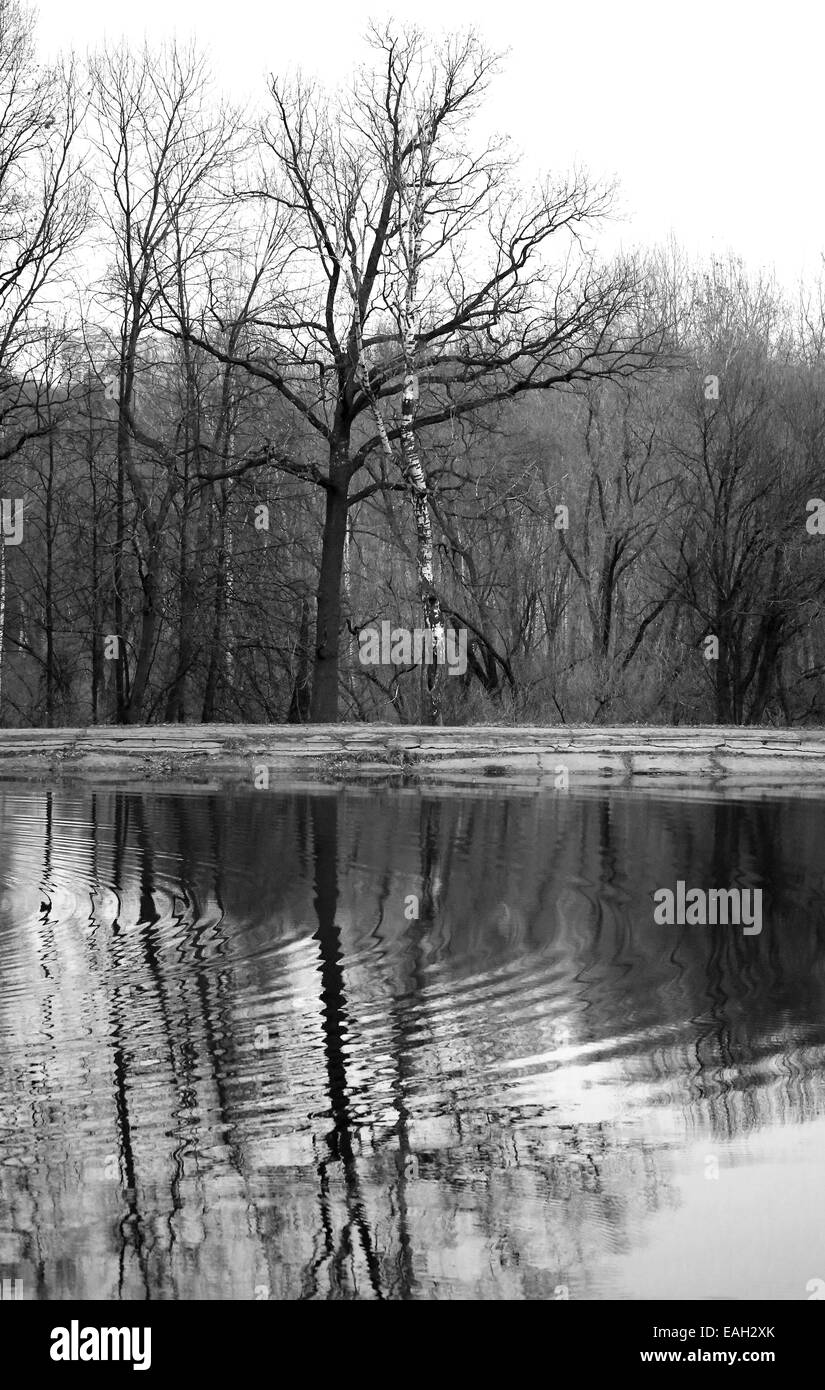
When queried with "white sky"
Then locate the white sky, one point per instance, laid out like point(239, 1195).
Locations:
point(710, 115)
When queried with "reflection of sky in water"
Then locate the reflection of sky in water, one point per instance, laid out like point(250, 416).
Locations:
point(228, 1059)
point(758, 1228)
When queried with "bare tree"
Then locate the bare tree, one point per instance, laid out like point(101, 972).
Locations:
point(43, 208)
point(411, 284)
point(746, 433)
point(631, 493)
point(161, 146)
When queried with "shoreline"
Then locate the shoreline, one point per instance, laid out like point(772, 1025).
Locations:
point(710, 757)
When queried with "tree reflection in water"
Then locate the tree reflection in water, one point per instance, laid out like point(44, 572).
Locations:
point(234, 1067)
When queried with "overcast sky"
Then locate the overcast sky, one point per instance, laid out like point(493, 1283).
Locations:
point(709, 115)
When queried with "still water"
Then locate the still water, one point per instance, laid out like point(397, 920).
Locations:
point(382, 1043)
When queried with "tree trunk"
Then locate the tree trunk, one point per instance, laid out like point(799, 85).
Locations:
point(433, 675)
point(150, 613)
point(49, 597)
point(2, 611)
point(430, 602)
point(121, 674)
point(324, 703)
point(216, 650)
point(176, 700)
point(96, 649)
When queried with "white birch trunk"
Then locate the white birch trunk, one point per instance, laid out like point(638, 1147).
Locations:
point(411, 212)
point(413, 196)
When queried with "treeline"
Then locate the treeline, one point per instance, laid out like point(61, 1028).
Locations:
point(270, 381)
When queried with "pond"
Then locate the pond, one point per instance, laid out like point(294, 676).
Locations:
point(386, 1043)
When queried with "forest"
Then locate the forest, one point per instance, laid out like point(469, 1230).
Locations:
point(275, 379)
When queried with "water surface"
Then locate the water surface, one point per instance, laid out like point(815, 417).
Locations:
point(363, 1043)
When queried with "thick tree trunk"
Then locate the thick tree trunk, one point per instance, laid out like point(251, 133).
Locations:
point(324, 703)
point(2, 611)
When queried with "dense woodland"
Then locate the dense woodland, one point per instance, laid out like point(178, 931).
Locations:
point(270, 377)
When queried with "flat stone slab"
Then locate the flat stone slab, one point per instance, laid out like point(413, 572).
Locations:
point(751, 760)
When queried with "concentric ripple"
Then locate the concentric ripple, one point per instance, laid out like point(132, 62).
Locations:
point(406, 1044)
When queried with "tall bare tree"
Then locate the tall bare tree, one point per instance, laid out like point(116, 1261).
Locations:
point(43, 210)
point(411, 283)
point(161, 144)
